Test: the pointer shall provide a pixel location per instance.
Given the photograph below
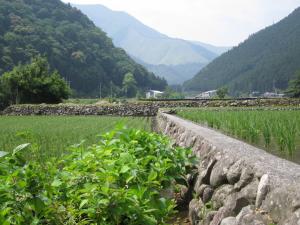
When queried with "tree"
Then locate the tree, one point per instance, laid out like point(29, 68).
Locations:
point(222, 92)
point(294, 87)
point(129, 85)
point(33, 83)
point(170, 93)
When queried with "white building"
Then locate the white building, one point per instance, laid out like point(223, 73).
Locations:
point(153, 94)
point(272, 95)
point(207, 94)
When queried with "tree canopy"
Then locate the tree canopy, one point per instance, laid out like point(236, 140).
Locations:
point(294, 87)
point(222, 92)
point(33, 83)
point(129, 85)
point(81, 52)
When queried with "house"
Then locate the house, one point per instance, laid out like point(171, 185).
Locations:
point(207, 94)
point(254, 94)
point(153, 94)
point(272, 95)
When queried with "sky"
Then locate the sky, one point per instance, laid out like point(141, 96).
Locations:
point(217, 22)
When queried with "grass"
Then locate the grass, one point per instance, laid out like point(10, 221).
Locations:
point(275, 130)
point(88, 101)
point(83, 101)
point(54, 134)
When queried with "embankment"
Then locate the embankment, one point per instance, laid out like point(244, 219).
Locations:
point(235, 183)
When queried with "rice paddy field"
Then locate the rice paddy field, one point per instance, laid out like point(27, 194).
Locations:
point(51, 136)
point(275, 130)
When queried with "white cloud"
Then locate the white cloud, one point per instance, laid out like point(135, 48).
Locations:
point(220, 22)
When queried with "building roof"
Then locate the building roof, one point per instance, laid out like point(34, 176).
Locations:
point(155, 91)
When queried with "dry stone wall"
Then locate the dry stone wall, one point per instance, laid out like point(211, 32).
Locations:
point(235, 183)
point(228, 103)
point(146, 108)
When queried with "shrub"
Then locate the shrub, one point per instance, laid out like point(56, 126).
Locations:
point(117, 181)
point(33, 83)
point(294, 87)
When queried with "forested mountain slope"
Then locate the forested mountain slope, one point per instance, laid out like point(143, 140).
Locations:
point(167, 57)
point(265, 60)
point(74, 46)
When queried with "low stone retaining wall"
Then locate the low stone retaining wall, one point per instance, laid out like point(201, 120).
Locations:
point(146, 108)
point(228, 103)
point(84, 110)
point(235, 183)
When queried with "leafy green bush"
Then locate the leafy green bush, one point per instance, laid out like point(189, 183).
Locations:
point(34, 83)
point(117, 181)
point(294, 87)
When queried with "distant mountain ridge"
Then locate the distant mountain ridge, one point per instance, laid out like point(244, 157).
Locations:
point(217, 50)
point(157, 52)
point(266, 61)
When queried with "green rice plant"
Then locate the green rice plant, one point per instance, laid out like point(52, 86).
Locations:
point(267, 134)
point(280, 135)
point(54, 134)
point(290, 137)
point(276, 129)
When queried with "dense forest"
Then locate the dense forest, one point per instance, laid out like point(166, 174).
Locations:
point(81, 52)
point(264, 62)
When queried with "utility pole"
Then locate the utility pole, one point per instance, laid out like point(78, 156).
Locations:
point(68, 81)
point(110, 89)
point(100, 91)
point(274, 88)
point(17, 96)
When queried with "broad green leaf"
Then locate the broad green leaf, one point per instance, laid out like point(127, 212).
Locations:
point(105, 187)
point(38, 204)
point(150, 220)
point(150, 210)
point(124, 169)
point(152, 176)
point(20, 148)
point(83, 203)
point(103, 202)
point(56, 183)
point(129, 179)
point(35, 221)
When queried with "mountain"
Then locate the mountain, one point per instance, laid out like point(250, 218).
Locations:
point(167, 57)
point(266, 60)
point(80, 51)
point(219, 50)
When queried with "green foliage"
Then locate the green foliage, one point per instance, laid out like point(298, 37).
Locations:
point(222, 92)
point(116, 181)
point(81, 52)
point(294, 87)
point(54, 134)
point(33, 83)
point(170, 93)
point(4, 101)
point(276, 130)
point(265, 60)
point(129, 85)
